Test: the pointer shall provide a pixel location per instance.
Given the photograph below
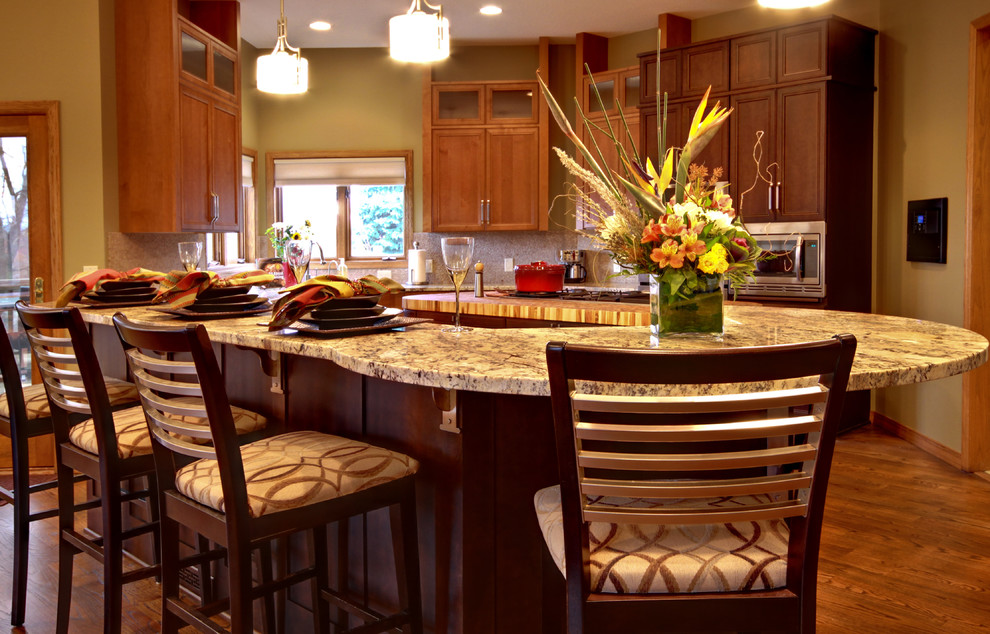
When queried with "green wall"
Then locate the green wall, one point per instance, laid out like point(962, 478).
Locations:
point(51, 51)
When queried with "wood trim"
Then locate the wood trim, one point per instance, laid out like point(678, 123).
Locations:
point(249, 227)
point(50, 110)
point(543, 116)
point(926, 444)
point(427, 158)
point(674, 30)
point(976, 296)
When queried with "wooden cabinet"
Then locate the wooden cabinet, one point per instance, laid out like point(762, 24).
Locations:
point(485, 179)
point(178, 115)
point(796, 121)
point(484, 148)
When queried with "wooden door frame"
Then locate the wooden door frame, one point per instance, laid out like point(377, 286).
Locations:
point(52, 188)
point(976, 302)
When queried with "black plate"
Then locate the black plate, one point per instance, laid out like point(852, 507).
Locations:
point(226, 308)
point(354, 322)
point(188, 314)
point(401, 321)
point(355, 301)
point(223, 291)
point(115, 285)
point(346, 313)
point(229, 299)
point(114, 298)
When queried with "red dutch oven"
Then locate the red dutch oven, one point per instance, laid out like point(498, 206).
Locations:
point(539, 277)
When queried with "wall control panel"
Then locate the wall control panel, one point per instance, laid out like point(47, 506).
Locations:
point(926, 230)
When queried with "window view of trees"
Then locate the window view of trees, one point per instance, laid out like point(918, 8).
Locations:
point(377, 219)
point(14, 262)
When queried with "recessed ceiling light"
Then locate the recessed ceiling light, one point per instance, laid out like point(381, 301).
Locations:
point(491, 9)
point(790, 4)
point(319, 25)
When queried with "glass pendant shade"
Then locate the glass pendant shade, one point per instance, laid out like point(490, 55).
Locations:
point(283, 73)
point(419, 37)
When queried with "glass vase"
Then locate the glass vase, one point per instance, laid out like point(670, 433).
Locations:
point(696, 312)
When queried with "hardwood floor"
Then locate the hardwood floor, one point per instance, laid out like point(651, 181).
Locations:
point(906, 549)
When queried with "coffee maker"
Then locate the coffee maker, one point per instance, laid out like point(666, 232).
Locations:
point(574, 271)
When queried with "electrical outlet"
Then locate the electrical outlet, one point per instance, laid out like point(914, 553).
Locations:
point(510, 264)
point(429, 266)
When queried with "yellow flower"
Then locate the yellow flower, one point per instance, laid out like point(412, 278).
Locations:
point(715, 260)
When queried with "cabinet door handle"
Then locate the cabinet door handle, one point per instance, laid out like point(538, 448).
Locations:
point(488, 212)
point(481, 211)
point(770, 198)
point(776, 202)
point(214, 208)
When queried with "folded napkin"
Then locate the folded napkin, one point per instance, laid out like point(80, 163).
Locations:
point(179, 289)
point(82, 282)
point(256, 277)
point(302, 298)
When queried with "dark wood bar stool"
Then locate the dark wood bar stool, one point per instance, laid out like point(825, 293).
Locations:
point(692, 513)
point(243, 497)
point(110, 447)
point(25, 414)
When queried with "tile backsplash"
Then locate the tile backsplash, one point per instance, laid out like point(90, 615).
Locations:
point(158, 251)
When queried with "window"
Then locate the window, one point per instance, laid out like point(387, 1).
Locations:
point(359, 204)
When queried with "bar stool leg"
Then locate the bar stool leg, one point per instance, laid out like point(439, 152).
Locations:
point(405, 546)
point(241, 608)
point(66, 551)
point(113, 558)
point(321, 609)
point(22, 530)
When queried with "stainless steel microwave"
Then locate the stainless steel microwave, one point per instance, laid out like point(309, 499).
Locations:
point(796, 268)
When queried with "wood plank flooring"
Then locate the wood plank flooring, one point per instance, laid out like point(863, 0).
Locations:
point(906, 549)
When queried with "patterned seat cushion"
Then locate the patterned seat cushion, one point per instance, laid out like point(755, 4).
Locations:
point(132, 429)
point(36, 400)
point(652, 559)
point(295, 469)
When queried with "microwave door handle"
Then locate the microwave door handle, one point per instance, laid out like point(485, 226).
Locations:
point(799, 259)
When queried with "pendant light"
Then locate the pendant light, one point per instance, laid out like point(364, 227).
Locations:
point(417, 36)
point(790, 4)
point(285, 71)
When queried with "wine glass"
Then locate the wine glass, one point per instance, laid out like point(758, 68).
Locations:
point(297, 254)
point(189, 253)
point(457, 254)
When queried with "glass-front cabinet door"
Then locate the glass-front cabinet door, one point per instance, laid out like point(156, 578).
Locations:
point(512, 103)
point(457, 104)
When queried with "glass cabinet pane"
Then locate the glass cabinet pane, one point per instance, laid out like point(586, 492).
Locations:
point(632, 92)
point(193, 56)
point(512, 104)
point(223, 72)
point(606, 89)
point(459, 104)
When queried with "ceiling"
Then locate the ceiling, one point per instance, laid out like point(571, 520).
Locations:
point(364, 23)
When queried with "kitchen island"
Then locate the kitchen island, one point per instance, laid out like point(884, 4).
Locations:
point(473, 409)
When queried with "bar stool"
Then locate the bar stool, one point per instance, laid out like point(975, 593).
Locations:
point(25, 414)
point(112, 448)
point(245, 496)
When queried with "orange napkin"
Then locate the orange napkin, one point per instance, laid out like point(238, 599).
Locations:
point(302, 298)
point(82, 282)
point(179, 289)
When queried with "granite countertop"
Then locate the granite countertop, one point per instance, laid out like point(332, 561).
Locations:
point(892, 350)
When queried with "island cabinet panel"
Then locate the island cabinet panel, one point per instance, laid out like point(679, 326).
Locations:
point(168, 56)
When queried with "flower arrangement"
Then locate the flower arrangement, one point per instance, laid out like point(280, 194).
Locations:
point(281, 232)
point(680, 227)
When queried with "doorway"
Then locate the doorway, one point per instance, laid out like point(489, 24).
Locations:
point(976, 303)
point(30, 212)
point(30, 230)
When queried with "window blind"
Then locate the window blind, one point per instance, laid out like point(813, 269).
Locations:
point(341, 171)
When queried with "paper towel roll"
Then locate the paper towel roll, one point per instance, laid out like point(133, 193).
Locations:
point(417, 266)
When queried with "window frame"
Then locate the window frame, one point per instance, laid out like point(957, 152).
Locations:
point(273, 211)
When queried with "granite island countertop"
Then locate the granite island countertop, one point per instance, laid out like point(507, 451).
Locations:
point(891, 351)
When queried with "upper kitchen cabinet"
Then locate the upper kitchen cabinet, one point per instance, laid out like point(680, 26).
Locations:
point(501, 103)
point(482, 167)
point(178, 115)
